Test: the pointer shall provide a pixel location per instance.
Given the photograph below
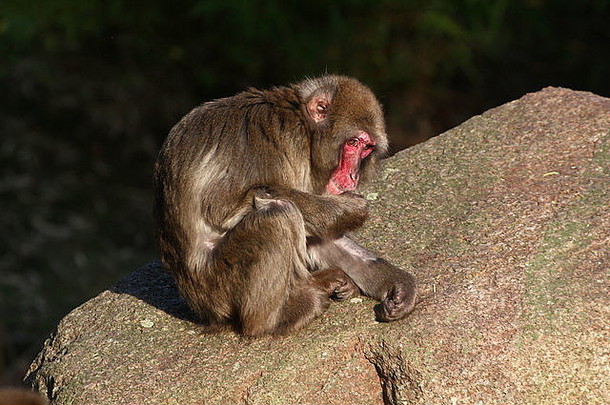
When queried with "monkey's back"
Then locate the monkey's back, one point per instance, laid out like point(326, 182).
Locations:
point(218, 152)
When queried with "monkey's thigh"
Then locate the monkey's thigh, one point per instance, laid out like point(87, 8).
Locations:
point(269, 250)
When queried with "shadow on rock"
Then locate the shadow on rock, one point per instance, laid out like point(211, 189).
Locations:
point(154, 285)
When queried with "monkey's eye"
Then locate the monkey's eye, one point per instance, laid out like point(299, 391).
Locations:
point(353, 142)
point(322, 107)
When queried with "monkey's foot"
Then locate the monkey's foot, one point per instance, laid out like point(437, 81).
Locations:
point(397, 304)
point(336, 283)
point(344, 289)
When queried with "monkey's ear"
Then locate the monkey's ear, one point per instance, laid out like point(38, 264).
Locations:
point(317, 107)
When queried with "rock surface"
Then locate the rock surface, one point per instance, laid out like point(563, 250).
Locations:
point(504, 220)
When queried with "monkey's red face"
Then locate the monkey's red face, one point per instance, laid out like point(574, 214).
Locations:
point(347, 173)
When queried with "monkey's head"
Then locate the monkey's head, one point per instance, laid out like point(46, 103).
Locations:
point(348, 131)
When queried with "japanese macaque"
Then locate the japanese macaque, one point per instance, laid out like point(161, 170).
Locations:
point(255, 195)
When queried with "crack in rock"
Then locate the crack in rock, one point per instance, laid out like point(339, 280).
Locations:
point(400, 382)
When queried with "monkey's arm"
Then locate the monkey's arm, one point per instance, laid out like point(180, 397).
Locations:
point(376, 277)
point(328, 216)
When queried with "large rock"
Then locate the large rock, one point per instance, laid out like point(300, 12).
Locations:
point(504, 220)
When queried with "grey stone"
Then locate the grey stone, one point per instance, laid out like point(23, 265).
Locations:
point(505, 222)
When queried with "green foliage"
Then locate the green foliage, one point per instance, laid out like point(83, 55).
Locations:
point(91, 87)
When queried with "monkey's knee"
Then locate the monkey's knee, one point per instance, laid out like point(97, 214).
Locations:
point(274, 223)
point(264, 201)
point(277, 221)
point(273, 205)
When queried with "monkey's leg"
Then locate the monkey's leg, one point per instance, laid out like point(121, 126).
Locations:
point(266, 255)
point(375, 277)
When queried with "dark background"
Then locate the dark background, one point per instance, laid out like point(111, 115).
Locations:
point(89, 89)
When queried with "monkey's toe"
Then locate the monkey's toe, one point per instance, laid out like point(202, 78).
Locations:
point(335, 283)
point(345, 289)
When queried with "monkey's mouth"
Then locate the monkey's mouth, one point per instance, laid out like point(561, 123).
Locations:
point(347, 174)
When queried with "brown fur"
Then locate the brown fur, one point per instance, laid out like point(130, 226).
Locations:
point(15, 396)
point(243, 222)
